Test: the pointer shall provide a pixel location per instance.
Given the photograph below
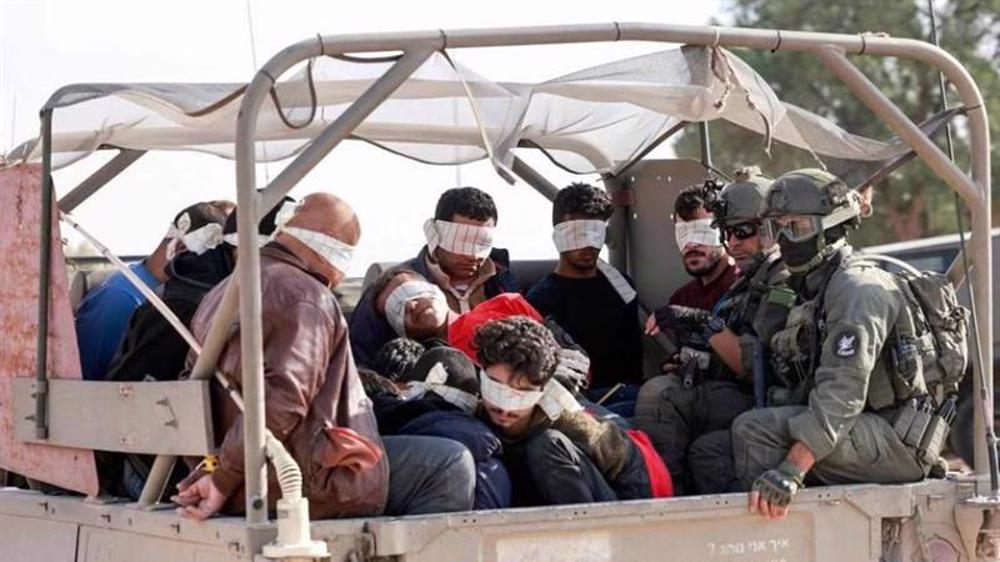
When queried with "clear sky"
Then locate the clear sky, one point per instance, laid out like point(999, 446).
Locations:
point(44, 45)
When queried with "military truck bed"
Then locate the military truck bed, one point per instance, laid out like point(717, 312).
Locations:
point(831, 523)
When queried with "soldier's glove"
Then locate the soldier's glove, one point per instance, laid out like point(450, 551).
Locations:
point(571, 370)
point(779, 485)
point(680, 322)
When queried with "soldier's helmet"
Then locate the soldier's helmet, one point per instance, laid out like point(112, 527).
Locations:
point(740, 202)
point(804, 203)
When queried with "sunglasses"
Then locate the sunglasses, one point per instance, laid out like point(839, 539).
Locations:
point(740, 231)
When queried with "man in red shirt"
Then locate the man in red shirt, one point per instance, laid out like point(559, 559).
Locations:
point(714, 271)
point(704, 256)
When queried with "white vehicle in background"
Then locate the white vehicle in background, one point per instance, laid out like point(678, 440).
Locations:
point(605, 119)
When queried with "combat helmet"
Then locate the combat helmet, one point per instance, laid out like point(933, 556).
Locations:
point(801, 207)
point(741, 201)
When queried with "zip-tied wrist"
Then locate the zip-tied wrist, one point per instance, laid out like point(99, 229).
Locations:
point(208, 464)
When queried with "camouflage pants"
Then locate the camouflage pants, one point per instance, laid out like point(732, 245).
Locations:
point(688, 426)
point(871, 452)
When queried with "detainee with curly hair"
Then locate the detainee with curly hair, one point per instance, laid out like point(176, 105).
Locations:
point(594, 302)
point(555, 452)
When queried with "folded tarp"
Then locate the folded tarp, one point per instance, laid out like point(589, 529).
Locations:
point(595, 120)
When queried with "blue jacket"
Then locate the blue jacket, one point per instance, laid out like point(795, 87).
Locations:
point(369, 333)
point(103, 316)
point(436, 418)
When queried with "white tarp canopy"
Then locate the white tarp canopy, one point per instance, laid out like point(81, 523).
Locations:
point(594, 120)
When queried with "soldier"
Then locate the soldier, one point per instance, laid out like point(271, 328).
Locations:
point(840, 342)
point(687, 422)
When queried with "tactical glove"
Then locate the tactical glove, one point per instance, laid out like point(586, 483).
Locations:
point(779, 485)
point(680, 322)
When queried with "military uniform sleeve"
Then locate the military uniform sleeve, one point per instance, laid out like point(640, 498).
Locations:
point(861, 306)
point(297, 346)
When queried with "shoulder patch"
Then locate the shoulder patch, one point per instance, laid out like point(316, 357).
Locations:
point(846, 344)
point(781, 296)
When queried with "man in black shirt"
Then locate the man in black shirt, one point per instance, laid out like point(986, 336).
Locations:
point(592, 300)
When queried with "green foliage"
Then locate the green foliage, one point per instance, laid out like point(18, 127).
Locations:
point(913, 201)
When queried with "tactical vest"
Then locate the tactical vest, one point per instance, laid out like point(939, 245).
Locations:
point(757, 304)
point(896, 376)
point(761, 286)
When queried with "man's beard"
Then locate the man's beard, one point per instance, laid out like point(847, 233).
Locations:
point(712, 261)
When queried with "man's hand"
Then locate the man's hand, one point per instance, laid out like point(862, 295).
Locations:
point(571, 370)
point(671, 365)
point(198, 497)
point(773, 491)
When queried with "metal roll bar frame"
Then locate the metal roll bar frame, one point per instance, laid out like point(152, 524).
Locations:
point(416, 47)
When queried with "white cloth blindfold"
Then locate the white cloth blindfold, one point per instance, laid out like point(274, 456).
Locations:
point(457, 238)
point(577, 234)
point(233, 239)
point(395, 304)
point(285, 214)
point(198, 241)
point(698, 231)
point(337, 253)
point(506, 398)
point(554, 399)
point(435, 383)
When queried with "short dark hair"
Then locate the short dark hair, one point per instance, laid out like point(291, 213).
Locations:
point(581, 199)
point(688, 203)
point(375, 384)
point(468, 202)
point(266, 225)
point(386, 277)
point(522, 344)
point(201, 214)
point(396, 357)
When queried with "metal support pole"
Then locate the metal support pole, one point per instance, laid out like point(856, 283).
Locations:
point(99, 179)
point(248, 264)
point(342, 126)
point(977, 197)
point(705, 142)
point(534, 179)
point(44, 277)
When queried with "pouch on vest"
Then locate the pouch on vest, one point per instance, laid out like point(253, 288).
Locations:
point(934, 327)
point(909, 347)
point(791, 348)
point(946, 323)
